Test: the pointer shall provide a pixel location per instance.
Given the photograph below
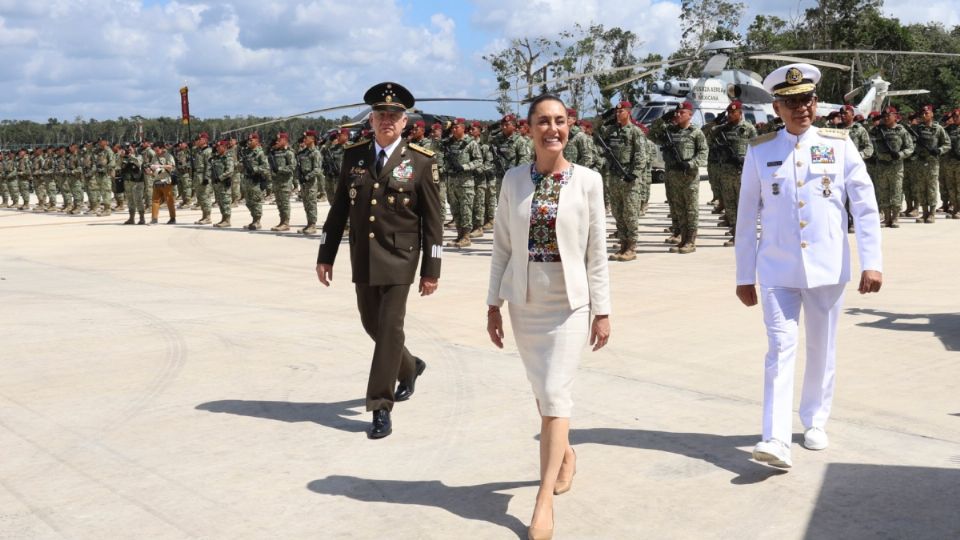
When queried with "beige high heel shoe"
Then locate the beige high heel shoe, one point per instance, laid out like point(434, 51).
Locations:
point(563, 486)
point(534, 533)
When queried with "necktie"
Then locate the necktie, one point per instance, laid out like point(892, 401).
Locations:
point(381, 160)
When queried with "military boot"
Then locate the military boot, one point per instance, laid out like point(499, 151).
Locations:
point(895, 218)
point(628, 253)
point(106, 210)
point(224, 223)
point(281, 227)
point(643, 208)
point(930, 216)
point(674, 238)
point(130, 221)
point(309, 229)
point(476, 233)
point(488, 226)
point(681, 243)
point(456, 242)
point(691, 244)
point(254, 225)
point(723, 222)
point(204, 219)
point(142, 221)
point(464, 240)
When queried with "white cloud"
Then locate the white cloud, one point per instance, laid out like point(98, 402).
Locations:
point(942, 11)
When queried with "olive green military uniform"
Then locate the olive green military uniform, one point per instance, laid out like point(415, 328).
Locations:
point(222, 172)
point(512, 151)
point(713, 165)
point(134, 180)
point(395, 222)
point(684, 152)
point(284, 168)
point(4, 190)
point(89, 179)
point(578, 149)
point(74, 173)
point(148, 157)
point(463, 159)
point(332, 163)
point(647, 176)
point(951, 173)
point(311, 177)
point(201, 181)
point(484, 206)
point(104, 163)
point(932, 142)
point(893, 146)
point(731, 146)
point(256, 168)
point(627, 147)
point(184, 176)
point(236, 185)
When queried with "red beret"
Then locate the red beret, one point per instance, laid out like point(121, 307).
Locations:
point(508, 119)
point(848, 107)
point(282, 135)
point(571, 112)
point(685, 105)
point(459, 121)
point(890, 110)
point(956, 112)
point(586, 123)
point(203, 135)
point(253, 135)
point(476, 124)
point(436, 125)
point(874, 114)
point(624, 105)
point(344, 131)
point(222, 142)
point(310, 133)
point(419, 123)
point(735, 105)
point(927, 108)
point(858, 118)
point(522, 121)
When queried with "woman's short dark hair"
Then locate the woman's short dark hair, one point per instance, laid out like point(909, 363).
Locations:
point(540, 99)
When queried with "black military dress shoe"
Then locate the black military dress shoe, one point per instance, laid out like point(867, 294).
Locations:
point(381, 425)
point(405, 388)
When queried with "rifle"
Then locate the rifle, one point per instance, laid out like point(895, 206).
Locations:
point(886, 144)
point(673, 146)
point(628, 176)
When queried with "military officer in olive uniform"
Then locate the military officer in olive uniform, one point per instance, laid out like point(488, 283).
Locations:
point(684, 152)
point(310, 162)
point(284, 166)
point(389, 192)
point(894, 145)
point(626, 144)
point(256, 168)
point(796, 180)
point(223, 169)
point(731, 140)
point(932, 142)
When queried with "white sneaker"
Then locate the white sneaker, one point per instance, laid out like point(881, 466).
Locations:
point(815, 439)
point(773, 452)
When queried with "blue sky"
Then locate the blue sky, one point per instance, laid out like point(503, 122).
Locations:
point(111, 58)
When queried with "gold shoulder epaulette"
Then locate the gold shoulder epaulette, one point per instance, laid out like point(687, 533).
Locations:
point(422, 150)
point(361, 142)
point(760, 139)
point(833, 133)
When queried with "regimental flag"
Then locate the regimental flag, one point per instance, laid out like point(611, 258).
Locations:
point(184, 106)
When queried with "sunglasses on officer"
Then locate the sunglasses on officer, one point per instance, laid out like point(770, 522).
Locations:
point(795, 102)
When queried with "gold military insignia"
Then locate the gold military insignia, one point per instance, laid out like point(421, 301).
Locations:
point(833, 133)
point(436, 173)
point(794, 76)
point(422, 150)
point(353, 193)
point(826, 186)
point(390, 199)
point(358, 143)
point(406, 201)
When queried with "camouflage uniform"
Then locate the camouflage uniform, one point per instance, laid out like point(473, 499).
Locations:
point(463, 159)
point(731, 147)
point(578, 149)
point(311, 176)
point(39, 176)
point(509, 152)
point(147, 158)
point(201, 181)
point(483, 205)
point(932, 142)
point(24, 177)
point(647, 176)
point(627, 146)
point(684, 151)
point(89, 179)
point(284, 167)
point(332, 162)
point(713, 165)
point(132, 174)
point(104, 163)
point(184, 176)
point(950, 165)
point(74, 173)
point(436, 146)
point(236, 185)
point(61, 179)
point(50, 178)
point(222, 171)
point(4, 190)
point(893, 145)
point(256, 168)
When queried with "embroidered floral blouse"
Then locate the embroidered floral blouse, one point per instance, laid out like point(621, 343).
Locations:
point(543, 214)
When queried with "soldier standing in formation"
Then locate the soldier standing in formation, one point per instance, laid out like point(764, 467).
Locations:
point(133, 176)
point(388, 191)
point(222, 171)
point(236, 191)
point(625, 164)
point(333, 163)
point(894, 145)
point(462, 157)
point(202, 154)
point(730, 139)
point(684, 151)
point(861, 138)
point(184, 174)
point(74, 174)
point(310, 162)
point(104, 163)
point(162, 181)
point(579, 148)
point(257, 173)
point(951, 167)
point(283, 165)
point(932, 142)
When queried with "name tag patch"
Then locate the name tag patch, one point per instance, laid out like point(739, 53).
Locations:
point(774, 163)
point(822, 154)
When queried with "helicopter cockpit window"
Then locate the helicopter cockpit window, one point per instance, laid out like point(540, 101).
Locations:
point(708, 117)
point(648, 114)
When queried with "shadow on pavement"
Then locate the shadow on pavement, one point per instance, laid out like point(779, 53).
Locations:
point(481, 502)
point(718, 450)
point(945, 326)
point(885, 501)
point(332, 415)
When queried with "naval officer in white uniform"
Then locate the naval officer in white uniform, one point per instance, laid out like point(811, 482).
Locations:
point(797, 180)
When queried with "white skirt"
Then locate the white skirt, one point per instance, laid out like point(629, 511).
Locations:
point(550, 337)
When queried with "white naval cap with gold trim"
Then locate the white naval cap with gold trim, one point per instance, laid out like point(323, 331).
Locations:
point(792, 79)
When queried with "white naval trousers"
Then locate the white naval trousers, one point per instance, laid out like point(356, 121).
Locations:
point(781, 315)
point(550, 337)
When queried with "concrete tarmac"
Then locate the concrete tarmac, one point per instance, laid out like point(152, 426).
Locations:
point(188, 382)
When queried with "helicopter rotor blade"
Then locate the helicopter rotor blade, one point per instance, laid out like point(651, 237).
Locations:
point(867, 51)
point(842, 67)
point(642, 75)
point(285, 118)
point(605, 71)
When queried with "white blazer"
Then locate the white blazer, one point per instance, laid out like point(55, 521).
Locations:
point(798, 184)
point(581, 239)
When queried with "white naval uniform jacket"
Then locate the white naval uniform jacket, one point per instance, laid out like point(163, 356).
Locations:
point(798, 184)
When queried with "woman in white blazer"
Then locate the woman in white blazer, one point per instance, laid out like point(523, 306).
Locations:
point(550, 264)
